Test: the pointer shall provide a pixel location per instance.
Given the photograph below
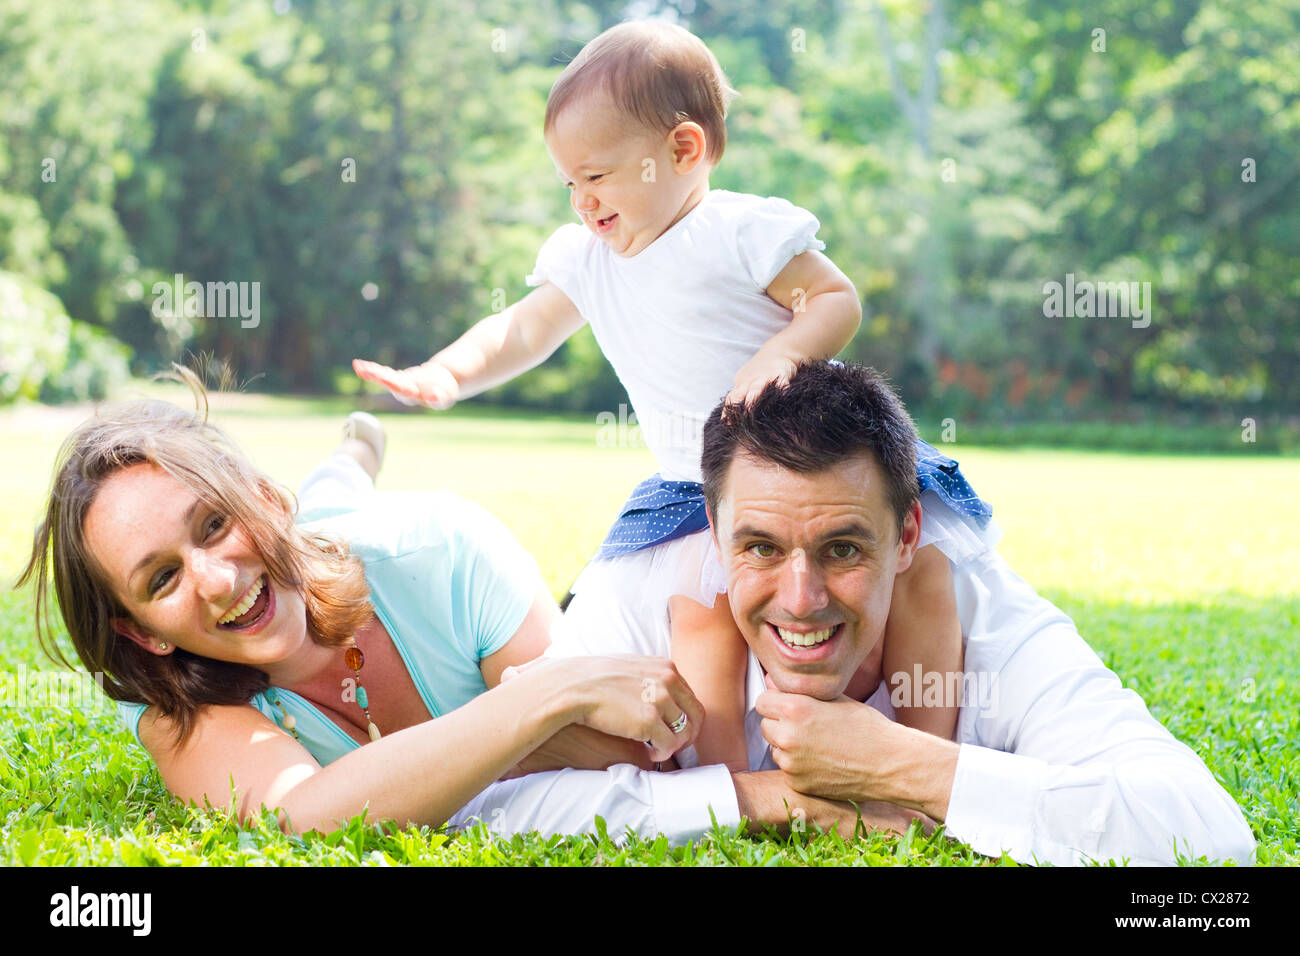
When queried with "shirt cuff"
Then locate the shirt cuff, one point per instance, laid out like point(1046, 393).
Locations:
point(682, 801)
point(994, 801)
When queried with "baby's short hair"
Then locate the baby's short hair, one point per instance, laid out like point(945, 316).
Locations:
point(657, 73)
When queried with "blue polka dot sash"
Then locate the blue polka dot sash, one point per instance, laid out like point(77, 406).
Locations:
point(659, 511)
point(942, 475)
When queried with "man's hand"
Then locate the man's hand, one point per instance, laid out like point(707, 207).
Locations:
point(584, 749)
point(845, 750)
point(825, 747)
point(766, 800)
point(430, 384)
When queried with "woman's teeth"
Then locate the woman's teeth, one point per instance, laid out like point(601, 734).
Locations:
point(804, 640)
point(242, 607)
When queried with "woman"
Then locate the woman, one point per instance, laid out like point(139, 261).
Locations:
point(250, 648)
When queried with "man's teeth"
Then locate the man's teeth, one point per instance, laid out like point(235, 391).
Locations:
point(804, 640)
point(242, 607)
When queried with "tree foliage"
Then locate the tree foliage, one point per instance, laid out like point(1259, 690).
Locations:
point(378, 170)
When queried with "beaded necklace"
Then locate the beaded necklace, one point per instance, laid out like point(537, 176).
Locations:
point(355, 661)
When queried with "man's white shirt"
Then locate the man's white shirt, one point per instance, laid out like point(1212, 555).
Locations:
point(1058, 761)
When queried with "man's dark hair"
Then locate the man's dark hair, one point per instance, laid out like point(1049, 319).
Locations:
point(829, 412)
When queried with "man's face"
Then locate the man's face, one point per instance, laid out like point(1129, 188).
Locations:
point(811, 561)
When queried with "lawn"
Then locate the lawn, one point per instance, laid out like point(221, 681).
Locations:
point(1178, 569)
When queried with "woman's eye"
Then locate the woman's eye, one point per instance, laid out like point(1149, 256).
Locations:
point(159, 579)
point(214, 524)
point(843, 550)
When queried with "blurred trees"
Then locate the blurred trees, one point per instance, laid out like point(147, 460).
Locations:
point(378, 169)
point(47, 356)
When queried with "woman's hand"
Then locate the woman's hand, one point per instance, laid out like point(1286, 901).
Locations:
point(640, 698)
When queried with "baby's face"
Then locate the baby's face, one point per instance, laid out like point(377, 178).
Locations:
point(621, 177)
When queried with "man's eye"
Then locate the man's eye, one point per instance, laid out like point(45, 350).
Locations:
point(762, 550)
point(842, 550)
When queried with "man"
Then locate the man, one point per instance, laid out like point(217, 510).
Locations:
point(1053, 760)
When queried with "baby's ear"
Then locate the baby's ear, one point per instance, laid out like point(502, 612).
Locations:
point(688, 145)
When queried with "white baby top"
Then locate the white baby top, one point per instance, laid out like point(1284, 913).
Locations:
point(679, 319)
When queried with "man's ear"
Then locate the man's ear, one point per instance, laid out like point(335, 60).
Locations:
point(909, 537)
point(688, 145)
point(126, 627)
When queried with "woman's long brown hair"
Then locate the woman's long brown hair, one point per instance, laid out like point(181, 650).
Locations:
point(203, 459)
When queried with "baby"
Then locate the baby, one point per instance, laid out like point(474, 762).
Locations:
point(693, 294)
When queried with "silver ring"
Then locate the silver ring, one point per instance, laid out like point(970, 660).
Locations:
point(678, 725)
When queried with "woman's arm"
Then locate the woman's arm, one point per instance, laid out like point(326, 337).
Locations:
point(422, 774)
point(528, 643)
point(573, 746)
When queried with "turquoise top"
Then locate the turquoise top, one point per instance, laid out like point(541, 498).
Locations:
point(449, 583)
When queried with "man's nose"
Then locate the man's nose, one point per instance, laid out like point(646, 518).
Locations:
point(214, 577)
point(802, 587)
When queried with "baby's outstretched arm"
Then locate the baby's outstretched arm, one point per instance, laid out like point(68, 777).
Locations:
point(494, 350)
point(712, 658)
point(826, 314)
point(923, 652)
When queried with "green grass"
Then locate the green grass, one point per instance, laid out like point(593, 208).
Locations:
point(1179, 571)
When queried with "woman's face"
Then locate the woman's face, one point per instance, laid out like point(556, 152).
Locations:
point(187, 575)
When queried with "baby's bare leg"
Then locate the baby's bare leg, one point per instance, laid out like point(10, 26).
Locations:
point(923, 649)
point(713, 657)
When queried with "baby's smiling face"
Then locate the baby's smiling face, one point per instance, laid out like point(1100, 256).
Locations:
point(628, 184)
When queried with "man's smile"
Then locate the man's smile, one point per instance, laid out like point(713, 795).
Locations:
point(802, 644)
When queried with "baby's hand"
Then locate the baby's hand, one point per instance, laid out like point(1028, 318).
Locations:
point(755, 374)
point(429, 384)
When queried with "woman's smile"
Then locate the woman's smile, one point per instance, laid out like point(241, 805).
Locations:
point(254, 611)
